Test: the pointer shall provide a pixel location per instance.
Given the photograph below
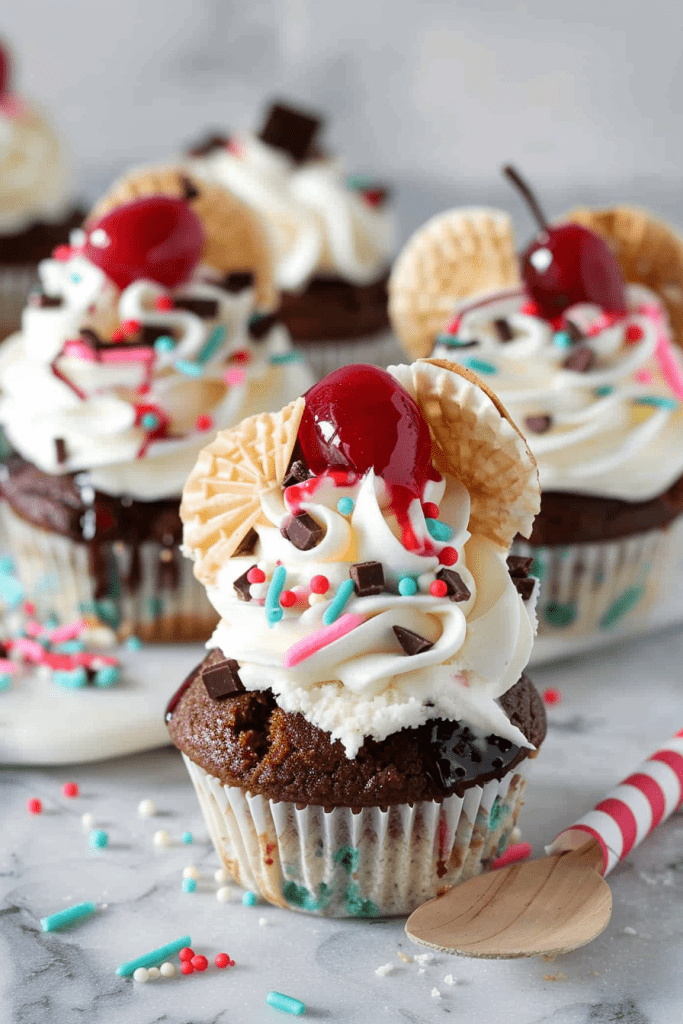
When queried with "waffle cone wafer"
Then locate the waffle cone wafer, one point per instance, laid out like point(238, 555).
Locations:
point(221, 499)
point(475, 441)
point(453, 256)
point(234, 238)
point(648, 250)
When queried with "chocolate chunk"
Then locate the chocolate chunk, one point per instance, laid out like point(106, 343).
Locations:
point(260, 326)
point(223, 680)
point(242, 585)
point(207, 309)
point(519, 565)
point(297, 470)
point(538, 424)
point(503, 329)
point(210, 142)
point(581, 360)
point(525, 586)
point(457, 591)
point(575, 333)
point(91, 338)
point(302, 531)
point(290, 130)
point(236, 281)
point(247, 544)
point(60, 450)
point(368, 578)
point(190, 190)
point(148, 335)
point(40, 300)
point(412, 643)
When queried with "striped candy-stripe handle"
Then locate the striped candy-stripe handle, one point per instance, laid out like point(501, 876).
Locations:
point(634, 809)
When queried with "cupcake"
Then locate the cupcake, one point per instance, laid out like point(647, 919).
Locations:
point(36, 212)
point(333, 235)
point(359, 733)
point(148, 334)
point(588, 366)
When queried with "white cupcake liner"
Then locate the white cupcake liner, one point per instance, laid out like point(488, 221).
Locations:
point(15, 286)
point(593, 594)
point(323, 357)
point(56, 577)
point(374, 863)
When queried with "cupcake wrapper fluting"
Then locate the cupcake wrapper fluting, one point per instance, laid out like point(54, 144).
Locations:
point(325, 356)
point(374, 863)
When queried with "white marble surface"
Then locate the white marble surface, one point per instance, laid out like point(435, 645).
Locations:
point(617, 706)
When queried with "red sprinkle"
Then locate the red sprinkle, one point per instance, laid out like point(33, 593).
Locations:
point(431, 511)
point(131, 327)
point(438, 588)
point(186, 967)
point(70, 789)
point(223, 960)
point(287, 598)
point(552, 696)
point(241, 356)
point(448, 556)
point(256, 575)
point(118, 335)
point(29, 608)
point(633, 333)
point(163, 303)
point(62, 253)
point(320, 584)
point(186, 953)
point(530, 308)
point(34, 806)
point(200, 963)
point(204, 423)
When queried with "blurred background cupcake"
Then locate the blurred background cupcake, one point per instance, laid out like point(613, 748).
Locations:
point(151, 330)
point(36, 205)
point(588, 367)
point(333, 234)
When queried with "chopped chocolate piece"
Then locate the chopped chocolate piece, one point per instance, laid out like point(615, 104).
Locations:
point(207, 309)
point(60, 451)
point(581, 359)
point(525, 586)
point(538, 424)
point(260, 326)
point(457, 591)
point(210, 142)
point(368, 578)
point(412, 643)
point(223, 680)
point(503, 329)
point(190, 190)
point(149, 334)
point(236, 281)
point(242, 585)
point(302, 531)
point(519, 565)
point(296, 474)
point(575, 333)
point(291, 130)
point(42, 301)
point(91, 338)
point(247, 544)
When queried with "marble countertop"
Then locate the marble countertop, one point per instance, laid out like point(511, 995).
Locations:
point(616, 707)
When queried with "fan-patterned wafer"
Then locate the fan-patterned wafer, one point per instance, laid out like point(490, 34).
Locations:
point(221, 499)
point(475, 441)
point(648, 250)
point(234, 238)
point(454, 255)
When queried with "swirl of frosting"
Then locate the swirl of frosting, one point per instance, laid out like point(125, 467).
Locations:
point(125, 384)
point(317, 223)
point(34, 169)
point(596, 395)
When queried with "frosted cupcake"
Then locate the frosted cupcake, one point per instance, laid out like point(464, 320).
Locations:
point(148, 334)
point(359, 733)
point(333, 235)
point(36, 209)
point(588, 367)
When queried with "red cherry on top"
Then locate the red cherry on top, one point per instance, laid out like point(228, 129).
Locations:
point(157, 238)
point(566, 264)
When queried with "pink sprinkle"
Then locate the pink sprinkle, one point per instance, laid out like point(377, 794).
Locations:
point(321, 638)
point(29, 608)
point(29, 648)
point(519, 851)
point(644, 377)
point(62, 253)
point(256, 575)
point(78, 350)
point(668, 366)
point(71, 631)
point(131, 327)
point(33, 628)
point(126, 355)
point(8, 666)
point(234, 377)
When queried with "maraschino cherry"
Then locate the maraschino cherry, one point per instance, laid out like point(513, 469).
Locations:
point(157, 238)
point(566, 264)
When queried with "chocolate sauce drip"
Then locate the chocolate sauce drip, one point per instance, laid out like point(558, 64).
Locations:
point(454, 756)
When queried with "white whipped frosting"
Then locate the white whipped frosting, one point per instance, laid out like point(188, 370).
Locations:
point(96, 406)
point(363, 684)
point(317, 224)
point(35, 173)
point(615, 430)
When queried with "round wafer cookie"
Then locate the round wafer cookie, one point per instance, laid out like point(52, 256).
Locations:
point(454, 255)
point(234, 238)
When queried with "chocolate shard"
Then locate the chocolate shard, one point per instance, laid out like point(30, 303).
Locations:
point(457, 591)
point(525, 586)
point(148, 335)
point(210, 142)
point(297, 470)
point(189, 189)
point(581, 359)
point(247, 544)
point(368, 578)
point(260, 326)
point(291, 130)
point(574, 332)
point(412, 643)
point(207, 309)
point(223, 679)
point(538, 424)
point(242, 585)
point(236, 281)
point(302, 531)
point(519, 565)
point(40, 300)
point(503, 329)
point(60, 450)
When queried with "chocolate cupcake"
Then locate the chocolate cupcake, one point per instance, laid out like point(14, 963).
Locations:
point(151, 331)
point(332, 234)
point(360, 731)
point(590, 369)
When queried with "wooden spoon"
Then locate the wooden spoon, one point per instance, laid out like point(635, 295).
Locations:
point(559, 902)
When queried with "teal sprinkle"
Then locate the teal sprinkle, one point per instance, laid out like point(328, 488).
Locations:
point(407, 586)
point(98, 839)
point(7, 565)
point(561, 615)
point(249, 899)
point(164, 344)
point(107, 676)
point(52, 621)
point(438, 530)
point(153, 959)
point(134, 643)
point(71, 679)
point(345, 506)
point(288, 1004)
point(356, 905)
point(562, 340)
point(187, 838)
point(149, 421)
point(628, 600)
point(75, 278)
point(68, 916)
point(188, 368)
point(496, 814)
point(334, 610)
point(69, 647)
point(657, 403)
point(188, 885)
point(279, 358)
point(479, 366)
point(155, 607)
point(604, 390)
point(452, 341)
point(212, 345)
point(347, 857)
point(5, 681)
point(358, 182)
point(273, 610)
point(11, 590)
point(108, 612)
point(537, 568)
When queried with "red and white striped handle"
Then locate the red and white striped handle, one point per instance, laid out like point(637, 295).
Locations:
point(634, 809)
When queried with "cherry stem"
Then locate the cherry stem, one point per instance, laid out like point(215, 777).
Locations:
point(526, 192)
